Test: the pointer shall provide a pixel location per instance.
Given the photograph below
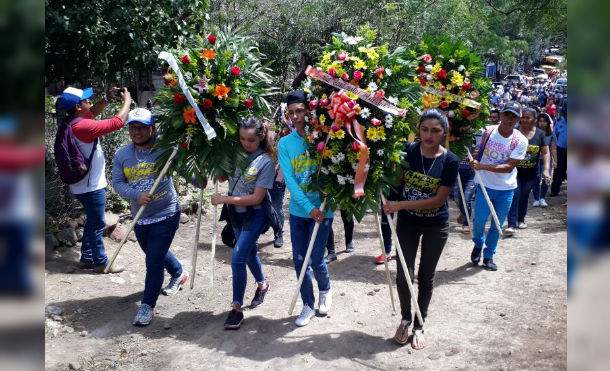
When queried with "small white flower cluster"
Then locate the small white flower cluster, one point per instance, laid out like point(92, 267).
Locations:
point(337, 158)
point(428, 67)
point(324, 170)
point(315, 134)
point(367, 167)
point(365, 113)
point(352, 40)
point(389, 121)
point(388, 72)
point(188, 75)
point(372, 87)
point(393, 100)
point(345, 179)
point(380, 152)
point(355, 166)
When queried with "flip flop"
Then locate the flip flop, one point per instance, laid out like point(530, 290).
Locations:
point(402, 333)
point(418, 337)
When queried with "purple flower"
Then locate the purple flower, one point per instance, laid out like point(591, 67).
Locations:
point(202, 84)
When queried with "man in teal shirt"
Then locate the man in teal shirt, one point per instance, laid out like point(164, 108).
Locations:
point(305, 210)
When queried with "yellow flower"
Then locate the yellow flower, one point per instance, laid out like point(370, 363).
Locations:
point(449, 87)
point(457, 78)
point(336, 65)
point(437, 85)
point(326, 58)
point(339, 134)
point(381, 132)
point(437, 67)
point(370, 52)
point(430, 100)
point(359, 64)
point(449, 98)
point(322, 119)
point(351, 95)
point(328, 153)
point(415, 78)
point(371, 133)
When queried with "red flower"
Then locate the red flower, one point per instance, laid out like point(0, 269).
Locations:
point(332, 72)
point(342, 56)
point(235, 71)
point(443, 88)
point(313, 104)
point(355, 146)
point(380, 94)
point(444, 104)
point(422, 82)
point(345, 76)
point(249, 103)
point(179, 98)
point(357, 75)
point(379, 72)
point(184, 144)
point(212, 39)
point(351, 104)
point(186, 59)
point(376, 122)
point(441, 75)
point(320, 147)
point(206, 104)
point(427, 58)
point(450, 124)
point(335, 128)
point(466, 87)
point(465, 113)
point(421, 69)
point(324, 102)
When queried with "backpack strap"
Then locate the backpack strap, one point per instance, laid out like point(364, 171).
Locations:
point(95, 141)
point(515, 141)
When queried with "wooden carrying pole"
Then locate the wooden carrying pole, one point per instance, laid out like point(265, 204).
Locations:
point(385, 260)
point(403, 263)
point(214, 228)
point(196, 243)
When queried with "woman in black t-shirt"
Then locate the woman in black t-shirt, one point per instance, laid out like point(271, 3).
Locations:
point(423, 212)
point(527, 170)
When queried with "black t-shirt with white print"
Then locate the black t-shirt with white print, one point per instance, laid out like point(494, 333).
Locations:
point(528, 167)
point(421, 182)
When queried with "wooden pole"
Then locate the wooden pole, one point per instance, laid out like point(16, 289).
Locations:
point(385, 260)
point(214, 228)
point(196, 243)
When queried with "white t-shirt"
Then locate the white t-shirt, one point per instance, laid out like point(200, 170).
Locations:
point(497, 151)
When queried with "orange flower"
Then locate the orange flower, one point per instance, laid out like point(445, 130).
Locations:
point(207, 54)
point(221, 91)
point(189, 115)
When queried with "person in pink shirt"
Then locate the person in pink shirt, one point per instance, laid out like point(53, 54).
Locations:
point(79, 112)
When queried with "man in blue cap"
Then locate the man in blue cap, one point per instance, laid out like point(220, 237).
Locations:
point(91, 190)
point(133, 174)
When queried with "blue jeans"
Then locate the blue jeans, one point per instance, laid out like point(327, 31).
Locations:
point(92, 247)
point(501, 201)
point(300, 234)
point(277, 201)
point(155, 240)
point(468, 185)
point(541, 188)
point(245, 252)
point(15, 260)
point(518, 208)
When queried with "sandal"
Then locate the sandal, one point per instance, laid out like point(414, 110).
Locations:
point(402, 332)
point(417, 341)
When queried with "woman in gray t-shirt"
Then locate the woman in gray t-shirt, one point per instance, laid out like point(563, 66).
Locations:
point(248, 190)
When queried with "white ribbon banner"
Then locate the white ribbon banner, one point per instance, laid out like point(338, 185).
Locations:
point(382, 104)
point(169, 58)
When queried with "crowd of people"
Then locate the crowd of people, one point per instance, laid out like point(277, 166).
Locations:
point(514, 155)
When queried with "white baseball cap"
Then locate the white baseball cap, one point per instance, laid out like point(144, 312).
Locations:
point(141, 115)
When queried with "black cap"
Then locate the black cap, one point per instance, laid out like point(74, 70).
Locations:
point(297, 96)
point(513, 107)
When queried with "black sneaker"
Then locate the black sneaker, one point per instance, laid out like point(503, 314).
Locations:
point(489, 265)
point(475, 256)
point(259, 296)
point(278, 242)
point(349, 247)
point(234, 320)
point(330, 258)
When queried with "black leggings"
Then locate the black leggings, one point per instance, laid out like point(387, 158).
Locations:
point(348, 226)
point(433, 240)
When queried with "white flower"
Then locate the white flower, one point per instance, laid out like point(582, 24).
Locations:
point(366, 168)
point(450, 114)
point(352, 40)
point(341, 179)
point(429, 77)
point(428, 67)
point(389, 125)
point(389, 118)
point(307, 83)
point(335, 160)
point(380, 152)
point(324, 170)
point(350, 179)
point(393, 100)
point(313, 115)
point(452, 60)
point(340, 156)
point(355, 166)
point(365, 113)
point(315, 134)
point(372, 87)
point(461, 67)
point(306, 119)
point(188, 75)
point(388, 72)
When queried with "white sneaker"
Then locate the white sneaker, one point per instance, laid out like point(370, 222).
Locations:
point(305, 316)
point(326, 300)
point(509, 232)
point(175, 284)
point(523, 225)
point(543, 203)
point(536, 203)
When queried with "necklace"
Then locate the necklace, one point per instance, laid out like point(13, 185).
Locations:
point(135, 153)
point(423, 167)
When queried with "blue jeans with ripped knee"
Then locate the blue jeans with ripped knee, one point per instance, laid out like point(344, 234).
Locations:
point(300, 234)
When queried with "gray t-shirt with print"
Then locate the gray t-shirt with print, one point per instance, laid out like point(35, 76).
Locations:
point(259, 173)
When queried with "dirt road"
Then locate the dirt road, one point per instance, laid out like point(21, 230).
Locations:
point(514, 318)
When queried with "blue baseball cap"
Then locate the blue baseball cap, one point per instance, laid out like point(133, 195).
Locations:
point(70, 97)
point(141, 115)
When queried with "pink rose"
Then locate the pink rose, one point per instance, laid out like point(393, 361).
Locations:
point(324, 102)
point(427, 58)
point(186, 59)
point(355, 146)
point(343, 56)
point(332, 72)
point(320, 147)
point(235, 71)
point(357, 75)
point(345, 76)
point(313, 104)
point(376, 122)
point(335, 128)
